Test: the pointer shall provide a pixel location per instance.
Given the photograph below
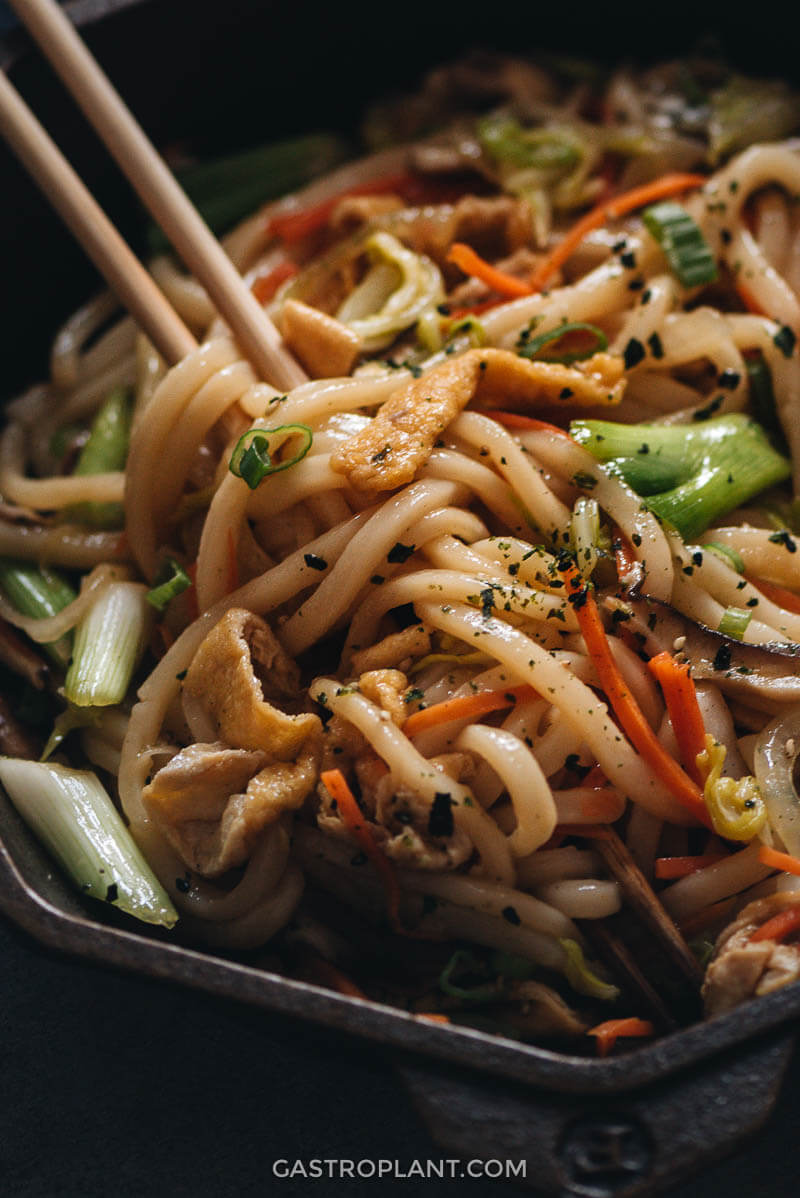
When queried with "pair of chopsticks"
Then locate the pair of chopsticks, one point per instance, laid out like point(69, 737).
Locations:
point(159, 191)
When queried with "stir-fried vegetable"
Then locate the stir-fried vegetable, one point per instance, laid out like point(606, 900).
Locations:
point(105, 449)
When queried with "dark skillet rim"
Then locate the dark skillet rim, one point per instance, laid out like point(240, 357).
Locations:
point(84, 937)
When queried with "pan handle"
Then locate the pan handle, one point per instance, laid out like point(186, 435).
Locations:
point(586, 1145)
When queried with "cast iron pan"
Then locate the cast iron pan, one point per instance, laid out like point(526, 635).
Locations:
point(217, 76)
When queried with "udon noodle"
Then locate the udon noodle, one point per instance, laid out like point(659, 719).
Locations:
point(373, 718)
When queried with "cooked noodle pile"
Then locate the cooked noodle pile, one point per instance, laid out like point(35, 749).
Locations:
point(411, 527)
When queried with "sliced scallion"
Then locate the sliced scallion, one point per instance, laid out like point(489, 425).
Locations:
point(680, 237)
point(106, 449)
point(39, 592)
point(581, 977)
point(251, 459)
point(572, 341)
point(689, 474)
point(73, 816)
point(727, 553)
point(109, 642)
point(584, 533)
point(734, 622)
point(170, 581)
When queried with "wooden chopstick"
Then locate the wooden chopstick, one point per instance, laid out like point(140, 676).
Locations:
point(159, 191)
point(123, 272)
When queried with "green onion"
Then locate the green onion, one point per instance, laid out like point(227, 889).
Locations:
point(470, 325)
point(762, 393)
point(73, 816)
point(66, 722)
point(39, 592)
point(106, 449)
point(685, 248)
point(581, 977)
point(531, 347)
point(171, 580)
point(734, 622)
point(251, 458)
point(746, 111)
point(109, 642)
point(228, 189)
point(691, 474)
point(542, 149)
point(463, 961)
point(728, 555)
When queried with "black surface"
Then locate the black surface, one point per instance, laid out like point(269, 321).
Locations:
point(112, 1084)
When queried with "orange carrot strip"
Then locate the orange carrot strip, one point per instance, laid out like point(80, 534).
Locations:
point(624, 554)
point(350, 812)
point(330, 975)
point(779, 927)
point(465, 707)
point(472, 264)
point(682, 867)
point(517, 420)
point(474, 309)
point(609, 1032)
point(680, 695)
point(433, 1017)
point(294, 226)
point(782, 861)
point(594, 805)
point(780, 595)
point(627, 710)
point(265, 286)
point(629, 201)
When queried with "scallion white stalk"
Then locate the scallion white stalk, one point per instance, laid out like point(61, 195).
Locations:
point(72, 815)
point(585, 533)
point(109, 642)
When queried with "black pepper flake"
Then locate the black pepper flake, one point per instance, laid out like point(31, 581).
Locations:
point(510, 916)
point(644, 448)
point(628, 260)
point(314, 562)
point(636, 539)
point(785, 341)
point(566, 393)
point(377, 579)
point(647, 296)
point(636, 284)
point(697, 557)
point(487, 602)
point(656, 346)
point(440, 820)
point(382, 454)
point(180, 677)
point(400, 552)
point(183, 884)
point(634, 353)
point(729, 379)
point(112, 893)
point(708, 411)
point(783, 538)
point(722, 658)
point(726, 237)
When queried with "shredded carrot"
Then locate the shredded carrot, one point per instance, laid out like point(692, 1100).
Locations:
point(779, 927)
point(350, 812)
point(624, 554)
point(612, 1030)
point(782, 861)
point(497, 280)
point(629, 201)
point(594, 805)
point(517, 420)
point(466, 707)
point(330, 975)
point(627, 710)
point(233, 564)
point(474, 309)
point(780, 595)
point(294, 226)
point(265, 286)
point(682, 867)
point(433, 1017)
point(680, 696)
point(693, 925)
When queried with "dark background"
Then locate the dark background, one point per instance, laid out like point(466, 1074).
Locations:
point(114, 1084)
